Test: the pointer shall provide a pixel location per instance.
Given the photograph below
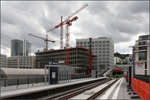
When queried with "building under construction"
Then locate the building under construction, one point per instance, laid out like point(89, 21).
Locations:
point(78, 57)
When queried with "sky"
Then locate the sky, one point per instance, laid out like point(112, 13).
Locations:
point(123, 21)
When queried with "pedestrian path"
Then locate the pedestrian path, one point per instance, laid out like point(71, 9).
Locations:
point(117, 91)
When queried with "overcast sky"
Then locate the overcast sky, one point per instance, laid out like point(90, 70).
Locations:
point(123, 21)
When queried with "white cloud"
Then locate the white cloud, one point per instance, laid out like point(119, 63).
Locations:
point(121, 21)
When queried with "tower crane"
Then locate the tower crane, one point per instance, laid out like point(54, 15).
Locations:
point(67, 22)
point(45, 40)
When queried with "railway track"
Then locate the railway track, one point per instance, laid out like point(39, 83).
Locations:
point(71, 93)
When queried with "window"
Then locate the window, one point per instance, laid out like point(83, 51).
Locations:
point(142, 48)
point(142, 55)
point(142, 43)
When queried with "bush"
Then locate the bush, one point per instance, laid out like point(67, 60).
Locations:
point(116, 76)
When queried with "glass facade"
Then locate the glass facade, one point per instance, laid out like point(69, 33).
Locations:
point(17, 47)
point(142, 56)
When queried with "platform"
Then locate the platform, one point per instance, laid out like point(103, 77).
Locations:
point(85, 95)
point(117, 91)
point(7, 92)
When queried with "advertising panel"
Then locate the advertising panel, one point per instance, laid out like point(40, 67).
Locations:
point(140, 68)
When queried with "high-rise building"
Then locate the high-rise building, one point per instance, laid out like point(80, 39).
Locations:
point(16, 47)
point(103, 48)
point(26, 48)
point(3, 60)
point(20, 48)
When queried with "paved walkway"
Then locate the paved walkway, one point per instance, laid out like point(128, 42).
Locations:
point(117, 91)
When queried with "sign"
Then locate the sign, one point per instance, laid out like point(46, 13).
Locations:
point(140, 68)
point(61, 62)
point(52, 62)
point(130, 61)
point(53, 74)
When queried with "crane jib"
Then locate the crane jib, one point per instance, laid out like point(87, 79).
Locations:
point(64, 22)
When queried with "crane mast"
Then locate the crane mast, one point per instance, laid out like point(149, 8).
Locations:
point(61, 34)
point(68, 23)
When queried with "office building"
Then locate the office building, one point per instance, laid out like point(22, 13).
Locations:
point(26, 62)
point(78, 57)
point(141, 55)
point(103, 48)
point(3, 60)
point(16, 47)
point(26, 48)
point(20, 48)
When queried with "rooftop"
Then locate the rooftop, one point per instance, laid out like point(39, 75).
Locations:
point(144, 37)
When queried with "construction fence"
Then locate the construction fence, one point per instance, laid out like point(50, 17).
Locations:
point(141, 88)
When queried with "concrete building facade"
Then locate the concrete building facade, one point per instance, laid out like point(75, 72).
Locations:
point(78, 57)
point(103, 47)
point(26, 62)
point(141, 53)
point(3, 61)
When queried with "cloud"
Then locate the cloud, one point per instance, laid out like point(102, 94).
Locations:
point(120, 20)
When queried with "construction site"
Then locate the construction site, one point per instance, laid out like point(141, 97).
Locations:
point(74, 57)
point(78, 57)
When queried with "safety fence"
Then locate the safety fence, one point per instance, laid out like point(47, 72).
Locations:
point(141, 88)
